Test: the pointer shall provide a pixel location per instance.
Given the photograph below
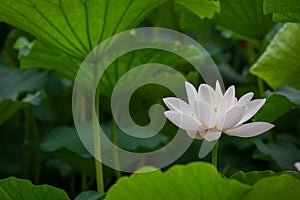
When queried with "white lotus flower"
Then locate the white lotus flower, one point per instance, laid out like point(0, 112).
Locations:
point(209, 112)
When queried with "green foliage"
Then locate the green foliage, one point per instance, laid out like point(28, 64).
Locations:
point(202, 181)
point(128, 142)
point(135, 58)
point(244, 18)
point(42, 145)
point(8, 108)
point(269, 113)
point(284, 99)
point(282, 154)
point(75, 27)
point(13, 188)
point(15, 82)
point(201, 8)
point(42, 55)
point(250, 178)
point(282, 10)
point(192, 181)
point(277, 187)
point(279, 64)
point(64, 143)
point(292, 94)
point(72, 28)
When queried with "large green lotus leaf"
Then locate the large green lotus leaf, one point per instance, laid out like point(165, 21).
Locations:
point(75, 26)
point(250, 178)
point(279, 103)
point(292, 94)
point(280, 63)
point(66, 137)
point(76, 162)
point(283, 10)
point(201, 181)
point(201, 8)
point(193, 181)
point(44, 56)
point(275, 187)
point(64, 143)
point(133, 59)
point(245, 18)
point(12, 188)
point(13, 82)
point(172, 13)
point(8, 107)
point(275, 107)
point(283, 154)
point(130, 143)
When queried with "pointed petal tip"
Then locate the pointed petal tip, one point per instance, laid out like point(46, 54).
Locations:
point(217, 86)
point(167, 99)
point(166, 113)
point(250, 129)
point(186, 83)
point(232, 87)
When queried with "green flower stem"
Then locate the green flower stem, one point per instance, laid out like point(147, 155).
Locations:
point(214, 156)
point(37, 161)
point(25, 152)
point(72, 184)
point(83, 119)
point(97, 139)
point(83, 183)
point(260, 86)
point(115, 152)
point(97, 147)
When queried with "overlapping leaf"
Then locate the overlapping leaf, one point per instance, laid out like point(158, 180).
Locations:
point(286, 11)
point(250, 178)
point(245, 18)
point(70, 29)
point(12, 188)
point(283, 154)
point(45, 56)
point(64, 143)
point(201, 8)
point(201, 181)
point(280, 102)
point(194, 181)
point(280, 63)
point(75, 26)
point(14, 82)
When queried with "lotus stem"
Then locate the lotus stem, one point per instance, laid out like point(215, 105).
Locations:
point(115, 151)
point(97, 145)
point(214, 158)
